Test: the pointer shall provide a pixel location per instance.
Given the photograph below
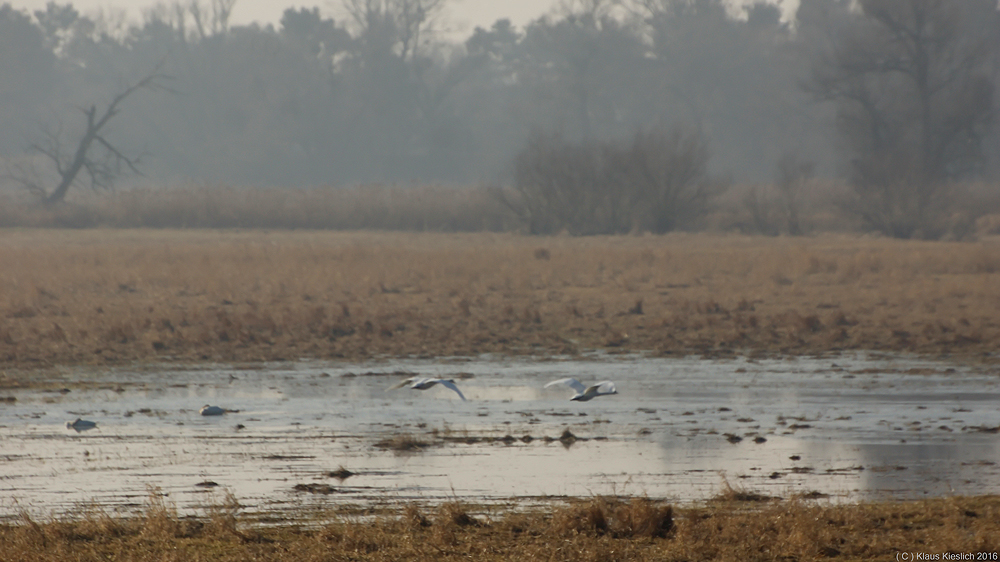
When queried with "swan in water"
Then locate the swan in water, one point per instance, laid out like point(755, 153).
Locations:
point(585, 393)
point(81, 425)
point(423, 383)
point(207, 410)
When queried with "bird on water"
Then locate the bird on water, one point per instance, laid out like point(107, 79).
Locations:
point(81, 425)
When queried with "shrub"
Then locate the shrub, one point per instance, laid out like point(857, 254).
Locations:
point(657, 182)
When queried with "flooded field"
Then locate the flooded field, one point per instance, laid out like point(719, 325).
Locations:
point(319, 434)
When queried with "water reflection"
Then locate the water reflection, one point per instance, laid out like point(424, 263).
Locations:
point(851, 428)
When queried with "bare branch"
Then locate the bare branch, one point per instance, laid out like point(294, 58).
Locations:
point(130, 162)
point(197, 16)
point(100, 168)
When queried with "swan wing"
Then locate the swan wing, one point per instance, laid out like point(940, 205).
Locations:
point(402, 383)
point(601, 388)
point(451, 385)
point(570, 382)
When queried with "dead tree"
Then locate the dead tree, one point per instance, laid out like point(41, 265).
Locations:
point(914, 100)
point(95, 157)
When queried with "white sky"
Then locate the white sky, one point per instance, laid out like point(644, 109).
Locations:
point(464, 15)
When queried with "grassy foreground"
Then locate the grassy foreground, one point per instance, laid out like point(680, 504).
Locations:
point(121, 296)
point(595, 530)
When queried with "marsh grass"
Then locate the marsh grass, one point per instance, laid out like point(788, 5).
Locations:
point(121, 296)
point(600, 528)
point(376, 207)
point(637, 517)
point(815, 206)
point(736, 493)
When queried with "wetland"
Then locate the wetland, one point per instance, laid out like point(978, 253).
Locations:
point(827, 397)
point(849, 428)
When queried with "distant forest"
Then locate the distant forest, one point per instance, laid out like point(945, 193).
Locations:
point(370, 91)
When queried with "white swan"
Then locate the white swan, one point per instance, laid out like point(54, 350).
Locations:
point(423, 383)
point(207, 410)
point(81, 425)
point(585, 393)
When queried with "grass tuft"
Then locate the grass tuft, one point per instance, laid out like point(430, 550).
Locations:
point(638, 517)
point(737, 493)
point(625, 529)
point(455, 513)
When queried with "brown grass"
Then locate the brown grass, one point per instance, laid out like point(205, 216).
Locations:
point(731, 493)
point(820, 206)
point(118, 296)
point(599, 529)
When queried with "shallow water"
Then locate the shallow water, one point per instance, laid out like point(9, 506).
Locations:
point(850, 428)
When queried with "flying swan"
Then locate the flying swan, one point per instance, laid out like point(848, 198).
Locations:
point(585, 393)
point(423, 383)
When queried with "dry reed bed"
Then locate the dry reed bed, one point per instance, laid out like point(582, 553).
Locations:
point(413, 208)
point(112, 296)
point(594, 530)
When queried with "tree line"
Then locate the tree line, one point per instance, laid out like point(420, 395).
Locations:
point(606, 116)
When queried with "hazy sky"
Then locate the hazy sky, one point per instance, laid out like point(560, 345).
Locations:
point(462, 15)
point(465, 15)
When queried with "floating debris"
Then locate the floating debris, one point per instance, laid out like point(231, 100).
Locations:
point(288, 457)
point(340, 474)
point(402, 443)
point(813, 495)
point(324, 489)
point(982, 429)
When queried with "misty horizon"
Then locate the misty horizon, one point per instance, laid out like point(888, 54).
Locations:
point(374, 96)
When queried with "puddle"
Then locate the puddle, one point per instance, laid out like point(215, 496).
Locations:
point(851, 428)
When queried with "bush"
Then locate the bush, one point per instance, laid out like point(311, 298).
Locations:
point(656, 183)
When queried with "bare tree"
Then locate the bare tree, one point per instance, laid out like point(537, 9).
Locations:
point(94, 157)
point(401, 23)
point(791, 174)
point(595, 9)
point(913, 103)
point(213, 20)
